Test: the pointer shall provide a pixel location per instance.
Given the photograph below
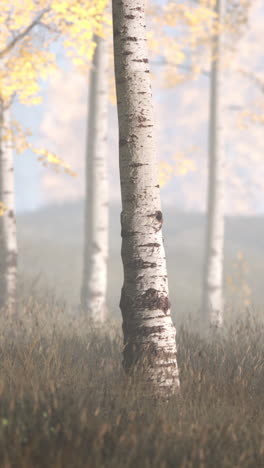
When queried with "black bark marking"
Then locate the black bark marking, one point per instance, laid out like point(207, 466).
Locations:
point(130, 39)
point(127, 52)
point(151, 299)
point(137, 164)
point(144, 60)
point(129, 16)
point(138, 263)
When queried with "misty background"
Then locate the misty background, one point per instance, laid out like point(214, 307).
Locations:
point(50, 205)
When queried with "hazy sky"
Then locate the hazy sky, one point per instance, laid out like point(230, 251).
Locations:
point(181, 122)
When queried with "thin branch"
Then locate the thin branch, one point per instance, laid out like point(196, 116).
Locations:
point(24, 33)
point(164, 61)
point(254, 78)
point(49, 28)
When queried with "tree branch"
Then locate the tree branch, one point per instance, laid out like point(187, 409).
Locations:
point(24, 33)
point(164, 61)
point(254, 78)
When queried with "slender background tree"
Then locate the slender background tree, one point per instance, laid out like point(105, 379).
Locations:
point(94, 281)
point(213, 275)
point(8, 239)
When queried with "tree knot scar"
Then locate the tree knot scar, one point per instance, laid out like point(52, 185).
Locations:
point(159, 216)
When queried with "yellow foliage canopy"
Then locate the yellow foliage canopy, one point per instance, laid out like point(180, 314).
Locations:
point(28, 29)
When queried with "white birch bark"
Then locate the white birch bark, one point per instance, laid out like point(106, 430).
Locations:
point(8, 238)
point(94, 283)
point(213, 276)
point(149, 334)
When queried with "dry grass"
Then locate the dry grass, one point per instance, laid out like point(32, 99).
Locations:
point(64, 401)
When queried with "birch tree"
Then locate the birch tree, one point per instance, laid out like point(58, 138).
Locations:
point(213, 272)
point(8, 271)
point(149, 334)
point(93, 294)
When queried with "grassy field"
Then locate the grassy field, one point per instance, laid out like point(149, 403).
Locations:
point(65, 402)
point(64, 399)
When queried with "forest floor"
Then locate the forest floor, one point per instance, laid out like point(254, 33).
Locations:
point(65, 402)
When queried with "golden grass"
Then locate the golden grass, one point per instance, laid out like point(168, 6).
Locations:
point(64, 401)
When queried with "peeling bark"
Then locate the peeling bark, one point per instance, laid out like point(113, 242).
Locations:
point(94, 285)
point(213, 274)
point(149, 334)
point(8, 236)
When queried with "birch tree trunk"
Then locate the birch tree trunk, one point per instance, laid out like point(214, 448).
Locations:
point(8, 238)
point(94, 283)
point(149, 334)
point(213, 276)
